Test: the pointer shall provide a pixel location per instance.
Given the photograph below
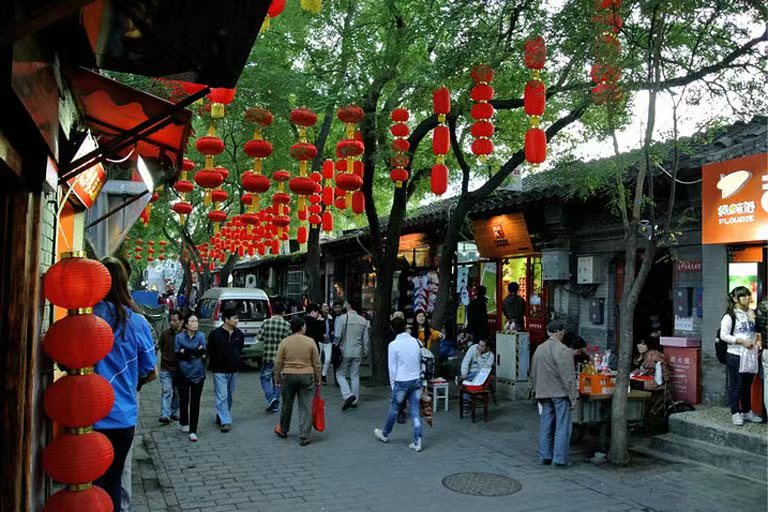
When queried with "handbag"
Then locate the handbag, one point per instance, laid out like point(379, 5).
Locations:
point(425, 407)
point(318, 411)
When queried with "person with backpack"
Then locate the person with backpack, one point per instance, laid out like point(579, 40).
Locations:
point(405, 377)
point(737, 330)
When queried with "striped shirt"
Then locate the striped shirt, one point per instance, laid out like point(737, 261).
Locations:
point(272, 331)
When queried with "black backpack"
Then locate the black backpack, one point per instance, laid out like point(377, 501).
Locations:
point(721, 347)
point(427, 363)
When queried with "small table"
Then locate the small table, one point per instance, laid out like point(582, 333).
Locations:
point(439, 391)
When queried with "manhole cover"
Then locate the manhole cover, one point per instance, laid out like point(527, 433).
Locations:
point(481, 484)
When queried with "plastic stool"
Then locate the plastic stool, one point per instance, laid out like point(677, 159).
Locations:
point(439, 391)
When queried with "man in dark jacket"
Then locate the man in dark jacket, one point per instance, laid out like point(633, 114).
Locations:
point(315, 326)
point(225, 345)
point(514, 308)
point(169, 397)
point(477, 316)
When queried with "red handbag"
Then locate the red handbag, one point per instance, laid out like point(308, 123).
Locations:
point(318, 411)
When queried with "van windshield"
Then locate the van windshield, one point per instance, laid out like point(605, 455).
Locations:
point(248, 310)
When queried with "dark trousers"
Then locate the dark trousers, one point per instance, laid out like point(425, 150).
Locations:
point(293, 385)
point(739, 386)
point(190, 408)
point(121, 439)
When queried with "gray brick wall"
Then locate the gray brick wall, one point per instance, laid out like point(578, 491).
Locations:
point(714, 282)
point(47, 244)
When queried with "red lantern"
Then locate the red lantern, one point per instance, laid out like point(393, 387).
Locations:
point(535, 53)
point(303, 151)
point(398, 175)
point(439, 179)
point(301, 234)
point(483, 129)
point(302, 186)
point(187, 164)
point(482, 92)
point(347, 148)
point(281, 175)
point(441, 140)
point(256, 115)
point(327, 222)
point(401, 145)
point(219, 196)
point(601, 73)
point(257, 148)
point(482, 73)
point(400, 115)
point(255, 183)
point(482, 111)
point(358, 202)
point(78, 341)
point(76, 282)
point(441, 102)
point(92, 499)
point(340, 203)
point(208, 178)
point(328, 170)
point(349, 182)
point(280, 198)
point(182, 208)
point(400, 130)
point(314, 219)
point(535, 145)
point(534, 98)
point(221, 95)
point(217, 216)
point(328, 196)
point(209, 145)
point(77, 401)
point(482, 147)
point(183, 186)
point(302, 116)
point(350, 114)
point(78, 459)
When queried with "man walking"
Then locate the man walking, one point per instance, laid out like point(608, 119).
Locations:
point(225, 346)
point(297, 371)
point(554, 381)
point(404, 355)
point(352, 338)
point(326, 347)
point(272, 331)
point(169, 395)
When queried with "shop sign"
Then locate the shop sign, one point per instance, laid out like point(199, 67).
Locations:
point(502, 235)
point(735, 200)
point(87, 185)
point(689, 266)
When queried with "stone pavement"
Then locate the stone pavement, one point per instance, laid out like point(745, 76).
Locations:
point(347, 469)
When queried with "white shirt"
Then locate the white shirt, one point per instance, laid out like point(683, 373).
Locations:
point(404, 359)
point(744, 328)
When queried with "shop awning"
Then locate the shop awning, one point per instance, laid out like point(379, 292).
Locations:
point(502, 236)
point(129, 122)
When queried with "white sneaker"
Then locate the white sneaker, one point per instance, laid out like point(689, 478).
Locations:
point(754, 418)
point(738, 419)
point(193, 437)
point(185, 428)
point(415, 446)
point(378, 433)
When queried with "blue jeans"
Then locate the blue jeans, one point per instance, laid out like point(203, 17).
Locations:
point(224, 389)
point(555, 429)
point(410, 390)
point(169, 395)
point(267, 376)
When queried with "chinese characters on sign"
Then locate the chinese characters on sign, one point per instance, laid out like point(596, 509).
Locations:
point(87, 185)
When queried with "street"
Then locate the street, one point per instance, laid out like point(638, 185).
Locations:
point(347, 469)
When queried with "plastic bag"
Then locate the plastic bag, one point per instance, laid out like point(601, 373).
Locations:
point(748, 361)
point(658, 377)
point(318, 411)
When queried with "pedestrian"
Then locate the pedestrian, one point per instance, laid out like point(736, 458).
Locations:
point(404, 356)
point(338, 311)
point(326, 347)
point(737, 329)
point(297, 372)
point(190, 350)
point(352, 338)
point(315, 326)
point(554, 380)
point(130, 363)
point(513, 308)
point(477, 315)
point(169, 368)
point(225, 347)
point(272, 331)
point(421, 330)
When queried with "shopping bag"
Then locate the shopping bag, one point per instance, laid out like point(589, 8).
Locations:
point(748, 361)
point(318, 411)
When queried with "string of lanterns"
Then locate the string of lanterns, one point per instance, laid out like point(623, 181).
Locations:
point(441, 105)
point(482, 112)
point(605, 72)
point(533, 101)
point(400, 147)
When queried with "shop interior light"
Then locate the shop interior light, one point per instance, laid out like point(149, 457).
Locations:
point(145, 174)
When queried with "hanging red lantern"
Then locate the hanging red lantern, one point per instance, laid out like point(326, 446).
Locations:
point(76, 282)
point(217, 216)
point(441, 103)
point(302, 116)
point(78, 459)
point(314, 219)
point(400, 115)
point(257, 148)
point(246, 199)
point(398, 175)
point(275, 246)
point(400, 130)
point(358, 202)
point(349, 182)
point(439, 179)
point(275, 9)
point(349, 148)
point(208, 178)
point(182, 208)
point(482, 147)
point(483, 129)
point(400, 147)
point(350, 114)
point(78, 341)
point(340, 203)
point(482, 92)
point(482, 111)
point(183, 186)
point(327, 196)
point(534, 98)
point(77, 401)
point(535, 53)
point(255, 183)
point(219, 97)
point(482, 73)
point(301, 235)
point(327, 221)
point(303, 151)
point(219, 196)
point(441, 140)
point(605, 70)
point(92, 499)
point(209, 145)
point(535, 145)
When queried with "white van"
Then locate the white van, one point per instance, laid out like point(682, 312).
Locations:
point(252, 307)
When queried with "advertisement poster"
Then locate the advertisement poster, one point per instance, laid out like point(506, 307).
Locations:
point(744, 274)
point(488, 279)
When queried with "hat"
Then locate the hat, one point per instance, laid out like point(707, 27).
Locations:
point(555, 326)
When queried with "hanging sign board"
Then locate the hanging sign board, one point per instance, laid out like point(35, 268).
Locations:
point(735, 200)
point(87, 185)
point(502, 236)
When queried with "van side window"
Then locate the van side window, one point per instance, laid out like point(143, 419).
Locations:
point(205, 308)
point(248, 310)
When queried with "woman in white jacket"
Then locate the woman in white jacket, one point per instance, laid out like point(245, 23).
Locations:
point(737, 329)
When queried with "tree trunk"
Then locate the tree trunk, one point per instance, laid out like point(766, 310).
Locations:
point(312, 270)
point(445, 270)
point(226, 270)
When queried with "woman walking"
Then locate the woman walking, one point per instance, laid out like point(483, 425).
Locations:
point(737, 329)
point(129, 364)
point(190, 350)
